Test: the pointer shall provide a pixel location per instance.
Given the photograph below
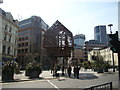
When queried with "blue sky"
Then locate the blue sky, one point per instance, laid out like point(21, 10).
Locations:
point(79, 16)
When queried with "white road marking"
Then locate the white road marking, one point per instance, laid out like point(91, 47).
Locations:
point(53, 85)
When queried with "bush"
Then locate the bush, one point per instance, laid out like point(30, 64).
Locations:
point(33, 67)
point(8, 69)
point(86, 65)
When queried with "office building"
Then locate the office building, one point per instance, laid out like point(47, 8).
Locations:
point(89, 45)
point(30, 42)
point(79, 41)
point(100, 34)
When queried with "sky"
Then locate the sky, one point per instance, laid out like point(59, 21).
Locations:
point(79, 16)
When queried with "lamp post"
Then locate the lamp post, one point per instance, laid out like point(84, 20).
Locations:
point(110, 27)
point(112, 51)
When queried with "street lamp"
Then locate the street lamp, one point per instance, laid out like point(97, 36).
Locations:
point(112, 52)
point(110, 27)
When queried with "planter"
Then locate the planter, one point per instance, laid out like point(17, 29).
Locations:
point(34, 74)
point(26, 73)
point(7, 76)
point(100, 70)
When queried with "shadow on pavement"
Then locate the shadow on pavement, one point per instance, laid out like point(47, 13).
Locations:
point(83, 76)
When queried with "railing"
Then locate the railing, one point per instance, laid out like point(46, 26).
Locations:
point(106, 86)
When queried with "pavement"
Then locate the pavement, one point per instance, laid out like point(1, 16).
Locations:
point(47, 75)
point(22, 77)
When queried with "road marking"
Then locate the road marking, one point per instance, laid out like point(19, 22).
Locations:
point(53, 85)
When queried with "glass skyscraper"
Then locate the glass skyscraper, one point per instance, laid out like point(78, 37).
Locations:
point(100, 34)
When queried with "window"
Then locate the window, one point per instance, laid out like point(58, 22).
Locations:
point(4, 49)
point(14, 51)
point(22, 50)
point(22, 44)
point(5, 36)
point(27, 38)
point(19, 39)
point(18, 50)
point(15, 41)
point(26, 44)
point(8, 52)
point(23, 39)
point(10, 38)
point(19, 45)
point(26, 50)
point(10, 29)
point(6, 27)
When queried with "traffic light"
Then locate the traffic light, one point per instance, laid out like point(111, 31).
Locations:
point(115, 44)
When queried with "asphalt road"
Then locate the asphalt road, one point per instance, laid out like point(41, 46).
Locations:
point(56, 84)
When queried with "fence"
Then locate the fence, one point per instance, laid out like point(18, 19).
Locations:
point(106, 86)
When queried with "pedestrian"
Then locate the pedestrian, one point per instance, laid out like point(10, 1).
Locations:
point(69, 71)
point(63, 71)
point(75, 71)
point(54, 71)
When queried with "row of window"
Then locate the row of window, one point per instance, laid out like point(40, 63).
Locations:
point(7, 50)
point(8, 28)
point(23, 44)
point(4, 50)
point(104, 51)
point(23, 50)
point(23, 38)
point(8, 38)
point(24, 32)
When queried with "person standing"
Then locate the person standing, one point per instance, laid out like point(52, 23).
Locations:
point(69, 71)
point(63, 70)
point(75, 71)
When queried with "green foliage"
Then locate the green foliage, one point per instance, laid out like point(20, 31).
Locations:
point(106, 64)
point(86, 64)
point(34, 66)
point(100, 64)
point(10, 66)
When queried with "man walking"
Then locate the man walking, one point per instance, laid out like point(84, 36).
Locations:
point(77, 72)
point(69, 71)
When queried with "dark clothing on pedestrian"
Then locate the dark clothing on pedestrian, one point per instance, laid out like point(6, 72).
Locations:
point(63, 71)
point(69, 71)
point(54, 71)
point(75, 71)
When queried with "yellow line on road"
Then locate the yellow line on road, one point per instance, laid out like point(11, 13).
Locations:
point(22, 82)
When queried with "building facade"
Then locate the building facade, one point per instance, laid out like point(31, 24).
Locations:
point(30, 42)
point(106, 53)
point(119, 19)
point(89, 45)
point(79, 41)
point(8, 36)
point(100, 34)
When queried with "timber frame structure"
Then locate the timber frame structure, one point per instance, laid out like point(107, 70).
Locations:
point(58, 41)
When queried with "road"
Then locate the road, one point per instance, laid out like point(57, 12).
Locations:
point(56, 84)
